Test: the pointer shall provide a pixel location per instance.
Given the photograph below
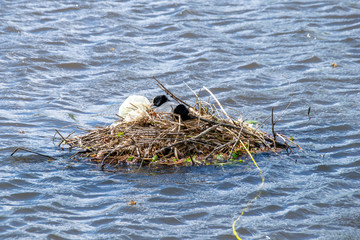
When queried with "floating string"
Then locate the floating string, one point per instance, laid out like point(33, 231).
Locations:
point(252, 200)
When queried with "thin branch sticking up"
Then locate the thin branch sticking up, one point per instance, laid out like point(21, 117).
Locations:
point(273, 126)
point(170, 93)
point(217, 101)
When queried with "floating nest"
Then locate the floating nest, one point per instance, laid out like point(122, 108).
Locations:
point(210, 137)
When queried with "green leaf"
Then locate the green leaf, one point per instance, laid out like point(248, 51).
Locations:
point(120, 134)
point(252, 122)
point(72, 116)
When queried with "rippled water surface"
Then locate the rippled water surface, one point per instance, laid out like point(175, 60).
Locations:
point(73, 62)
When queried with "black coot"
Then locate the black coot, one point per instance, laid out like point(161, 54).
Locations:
point(182, 111)
point(163, 104)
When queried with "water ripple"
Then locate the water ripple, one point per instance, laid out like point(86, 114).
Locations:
point(65, 63)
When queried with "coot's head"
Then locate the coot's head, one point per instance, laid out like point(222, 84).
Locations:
point(159, 100)
point(182, 111)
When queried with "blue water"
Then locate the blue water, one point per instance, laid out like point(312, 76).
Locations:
point(73, 63)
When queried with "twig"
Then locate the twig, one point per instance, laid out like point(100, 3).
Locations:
point(190, 139)
point(273, 126)
point(28, 150)
point(107, 155)
point(218, 148)
point(262, 123)
point(196, 95)
point(63, 138)
point(66, 138)
point(188, 151)
point(283, 112)
point(290, 101)
point(103, 161)
point(60, 129)
point(237, 140)
point(170, 93)
point(284, 137)
point(217, 101)
point(78, 152)
point(239, 128)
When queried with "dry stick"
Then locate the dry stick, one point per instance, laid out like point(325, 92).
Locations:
point(273, 126)
point(286, 144)
point(142, 159)
point(170, 93)
point(200, 102)
point(103, 161)
point(204, 143)
point(217, 101)
point(284, 137)
point(107, 155)
point(237, 140)
point(66, 138)
point(176, 153)
point(138, 152)
point(119, 116)
point(213, 122)
point(283, 112)
point(218, 148)
point(184, 141)
point(63, 138)
point(260, 137)
point(159, 137)
point(196, 95)
point(80, 151)
point(262, 123)
point(266, 138)
point(60, 129)
point(147, 151)
point(25, 149)
point(112, 161)
point(188, 151)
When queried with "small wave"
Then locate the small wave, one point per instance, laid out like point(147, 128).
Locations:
point(42, 30)
point(72, 66)
point(313, 59)
point(250, 66)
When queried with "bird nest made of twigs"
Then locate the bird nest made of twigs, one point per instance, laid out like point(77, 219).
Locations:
point(163, 138)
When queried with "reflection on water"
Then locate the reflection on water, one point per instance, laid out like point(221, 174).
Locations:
point(65, 63)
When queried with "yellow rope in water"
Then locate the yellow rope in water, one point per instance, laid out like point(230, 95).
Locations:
point(251, 201)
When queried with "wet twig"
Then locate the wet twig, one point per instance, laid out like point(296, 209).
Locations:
point(28, 150)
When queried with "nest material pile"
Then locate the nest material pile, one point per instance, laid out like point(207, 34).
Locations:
point(163, 138)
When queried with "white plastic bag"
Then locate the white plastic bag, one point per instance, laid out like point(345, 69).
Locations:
point(132, 103)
